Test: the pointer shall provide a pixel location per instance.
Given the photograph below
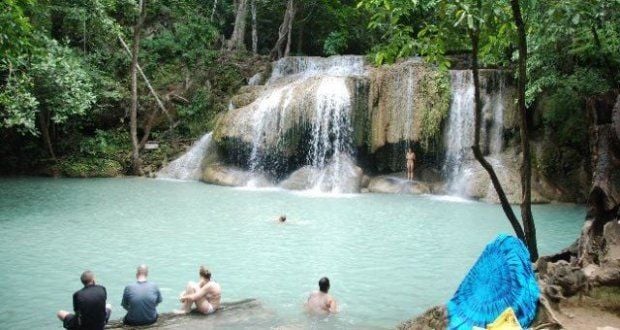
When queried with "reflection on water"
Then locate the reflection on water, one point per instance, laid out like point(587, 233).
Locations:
point(388, 257)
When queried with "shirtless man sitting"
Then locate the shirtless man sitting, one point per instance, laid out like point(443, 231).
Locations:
point(206, 295)
point(320, 302)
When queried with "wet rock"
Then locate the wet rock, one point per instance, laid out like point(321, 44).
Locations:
point(242, 314)
point(330, 178)
point(396, 185)
point(245, 96)
point(233, 177)
point(434, 318)
point(300, 179)
point(477, 183)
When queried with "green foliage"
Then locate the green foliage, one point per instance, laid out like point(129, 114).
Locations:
point(435, 90)
point(20, 105)
point(53, 80)
point(89, 167)
point(61, 84)
point(335, 43)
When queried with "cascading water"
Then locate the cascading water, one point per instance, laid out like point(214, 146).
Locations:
point(315, 91)
point(188, 166)
point(314, 66)
point(330, 151)
point(459, 133)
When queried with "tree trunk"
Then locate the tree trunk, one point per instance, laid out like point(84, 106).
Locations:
point(147, 82)
point(289, 33)
point(237, 38)
point(254, 29)
point(44, 122)
point(283, 31)
point(526, 165)
point(213, 10)
point(514, 222)
point(300, 37)
point(133, 119)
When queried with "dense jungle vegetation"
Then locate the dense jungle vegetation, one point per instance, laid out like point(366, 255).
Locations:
point(73, 100)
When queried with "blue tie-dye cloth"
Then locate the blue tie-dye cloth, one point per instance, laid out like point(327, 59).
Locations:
point(501, 278)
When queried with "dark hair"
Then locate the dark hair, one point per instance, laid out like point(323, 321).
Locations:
point(324, 284)
point(87, 277)
point(204, 272)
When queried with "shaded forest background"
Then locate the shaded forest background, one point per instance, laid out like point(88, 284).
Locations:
point(65, 75)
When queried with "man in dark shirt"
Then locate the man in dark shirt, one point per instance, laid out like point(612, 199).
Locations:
point(140, 299)
point(91, 311)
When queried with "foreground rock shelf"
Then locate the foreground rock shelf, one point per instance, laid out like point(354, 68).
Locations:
point(237, 314)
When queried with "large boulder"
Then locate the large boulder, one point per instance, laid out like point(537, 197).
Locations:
point(396, 185)
point(341, 178)
point(476, 183)
point(233, 177)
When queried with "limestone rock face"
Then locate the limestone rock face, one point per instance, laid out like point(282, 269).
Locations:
point(599, 243)
point(233, 177)
point(280, 110)
point(395, 185)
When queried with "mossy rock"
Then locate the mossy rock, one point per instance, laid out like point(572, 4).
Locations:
point(90, 168)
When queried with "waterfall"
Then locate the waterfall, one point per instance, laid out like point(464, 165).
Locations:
point(188, 166)
point(459, 132)
point(311, 97)
point(331, 138)
point(314, 66)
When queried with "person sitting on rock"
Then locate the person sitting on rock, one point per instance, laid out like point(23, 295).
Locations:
point(140, 299)
point(410, 156)
point(320, 302)
point(89, 304)
point(206, 294)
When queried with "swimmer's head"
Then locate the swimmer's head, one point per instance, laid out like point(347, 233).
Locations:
point(324, 284)
point(87, 277)
point(282, 218)
point(204, 273)
point(142, 271)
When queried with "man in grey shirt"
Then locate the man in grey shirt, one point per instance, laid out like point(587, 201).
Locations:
point(140, 299)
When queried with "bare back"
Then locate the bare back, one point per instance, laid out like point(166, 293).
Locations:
point(321, 303)
point(212, 292)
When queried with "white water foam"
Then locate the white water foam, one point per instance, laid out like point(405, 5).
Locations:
point(188, 166)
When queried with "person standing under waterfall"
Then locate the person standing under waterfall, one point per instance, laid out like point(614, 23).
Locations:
point(410, 156)
point(206, 294)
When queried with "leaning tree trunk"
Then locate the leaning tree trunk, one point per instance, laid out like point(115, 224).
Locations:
point(514, 222)
point(254, 29)
point(284, 32)
point(238, 35)
point(526, 165)
point(44, 122)
point(133, 119)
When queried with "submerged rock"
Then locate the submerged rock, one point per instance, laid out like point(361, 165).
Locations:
point(396, 185)
point(241, 314)
point(233, 177)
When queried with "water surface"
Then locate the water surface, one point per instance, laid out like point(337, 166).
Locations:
point(389, 257)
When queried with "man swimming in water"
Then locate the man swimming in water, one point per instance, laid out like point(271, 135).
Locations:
point(320, 302)
point(410, 156)
point(206, 294)
point(282, 219)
